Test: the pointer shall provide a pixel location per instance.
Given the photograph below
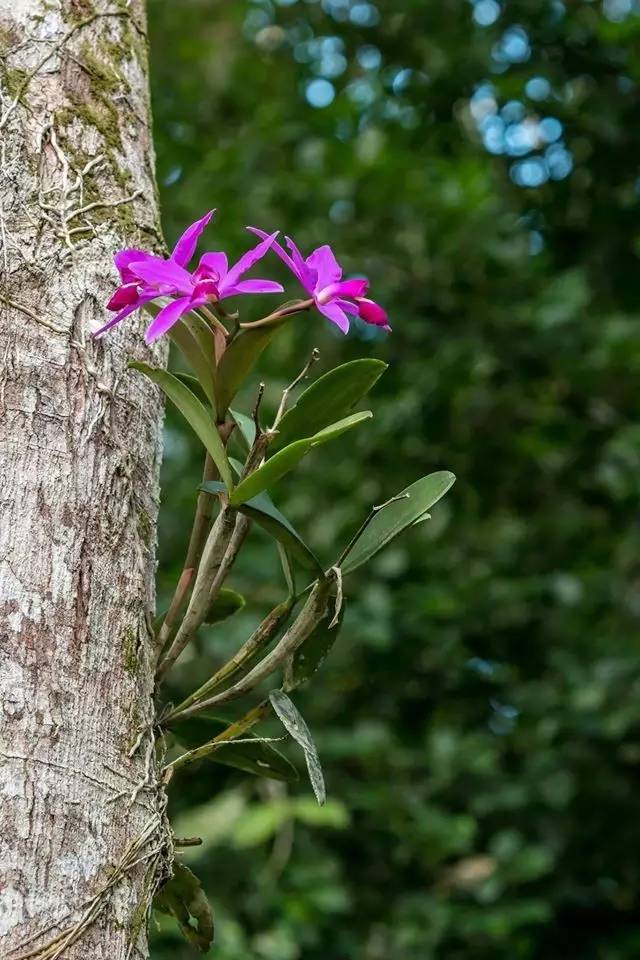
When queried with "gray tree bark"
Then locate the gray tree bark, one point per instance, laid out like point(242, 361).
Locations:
point(81, 811)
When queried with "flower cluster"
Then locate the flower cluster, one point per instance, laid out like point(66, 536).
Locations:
point(146, 277)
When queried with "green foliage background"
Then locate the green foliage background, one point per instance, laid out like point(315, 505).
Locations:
point(479, 721)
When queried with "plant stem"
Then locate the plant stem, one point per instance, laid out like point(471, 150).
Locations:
point(235, 730)
point(256, 642)
point(194, 551)
point(315, 356)
point(278, 315)
point(311, 614)
point(212, 557)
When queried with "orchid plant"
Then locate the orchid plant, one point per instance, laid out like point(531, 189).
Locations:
point(296, 636)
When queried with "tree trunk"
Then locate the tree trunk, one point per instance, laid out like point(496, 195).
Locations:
point(81, 811)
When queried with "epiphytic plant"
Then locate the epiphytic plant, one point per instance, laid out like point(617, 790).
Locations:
point(296, 636)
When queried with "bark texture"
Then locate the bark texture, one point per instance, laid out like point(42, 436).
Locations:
point(79, 458)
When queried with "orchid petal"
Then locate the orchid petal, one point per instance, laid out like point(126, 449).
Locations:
point(126, 294)
point(253, 286)
point(123, 258)
point(297, 257)
point(347, 305)
point(186, 245)
point(205, 289)
point(158, 271)
point(334, 313)
point(371, 312)
point(167, 317)
point(213, 263)
point(282, 253)
point(130, 308)
point(308, 275)
point(323, 261)
point(246, 261)
point(344, 288)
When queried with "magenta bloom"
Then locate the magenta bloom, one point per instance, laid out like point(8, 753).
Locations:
point(146, 277)
point(321, 276)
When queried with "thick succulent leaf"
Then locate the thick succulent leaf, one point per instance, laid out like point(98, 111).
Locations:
point(202, 365)
point(198, 417)
point(246, 426)
point(286, 459)
point(182, 897)
point(335, 430)
point(224, 606)
point(330, 398)
point(397, 516)
point(287, 569)
point(294, 724)
point(203, 335)
point(193, 384)
point(194, 338)
point(238, 359)
point(259, 758)
point(262, 510)
point(312, 653)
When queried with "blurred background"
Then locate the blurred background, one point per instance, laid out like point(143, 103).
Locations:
point(479, 720)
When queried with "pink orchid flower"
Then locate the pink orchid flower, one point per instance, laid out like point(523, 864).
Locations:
point(321, 276)
point(146, 277)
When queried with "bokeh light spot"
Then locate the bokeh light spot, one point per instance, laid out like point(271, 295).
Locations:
point(537, 88)
point(550, 129)
point(364, 15)
point(532, 172)
point(486, 12)
point(369, 57)
point(559, 161)
point(320, 93)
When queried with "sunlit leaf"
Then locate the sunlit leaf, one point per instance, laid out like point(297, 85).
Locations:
point(335, 430)
point(329, 398)
point(286, 459)
point(182, 897)
point(198, 417)
point(397, 516)
point(246, 426)
point(294, 724)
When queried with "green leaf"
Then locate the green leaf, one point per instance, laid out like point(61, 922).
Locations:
point(195, 414)
point(287, 569)
point(193, 384)
point(191, 350)
point(246, 426)
point(194, 339)
point(182, 897)
point(397, 516)
point(238, 359)
point(262, 510)
point(287, 458)
point(294, 724)
point(224, 606)
point(259, 758)
point(329, 398)
point(203, 335)
point(335, 430)
point(312, 653)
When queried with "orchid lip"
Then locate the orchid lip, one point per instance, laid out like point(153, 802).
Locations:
point(325, 295)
